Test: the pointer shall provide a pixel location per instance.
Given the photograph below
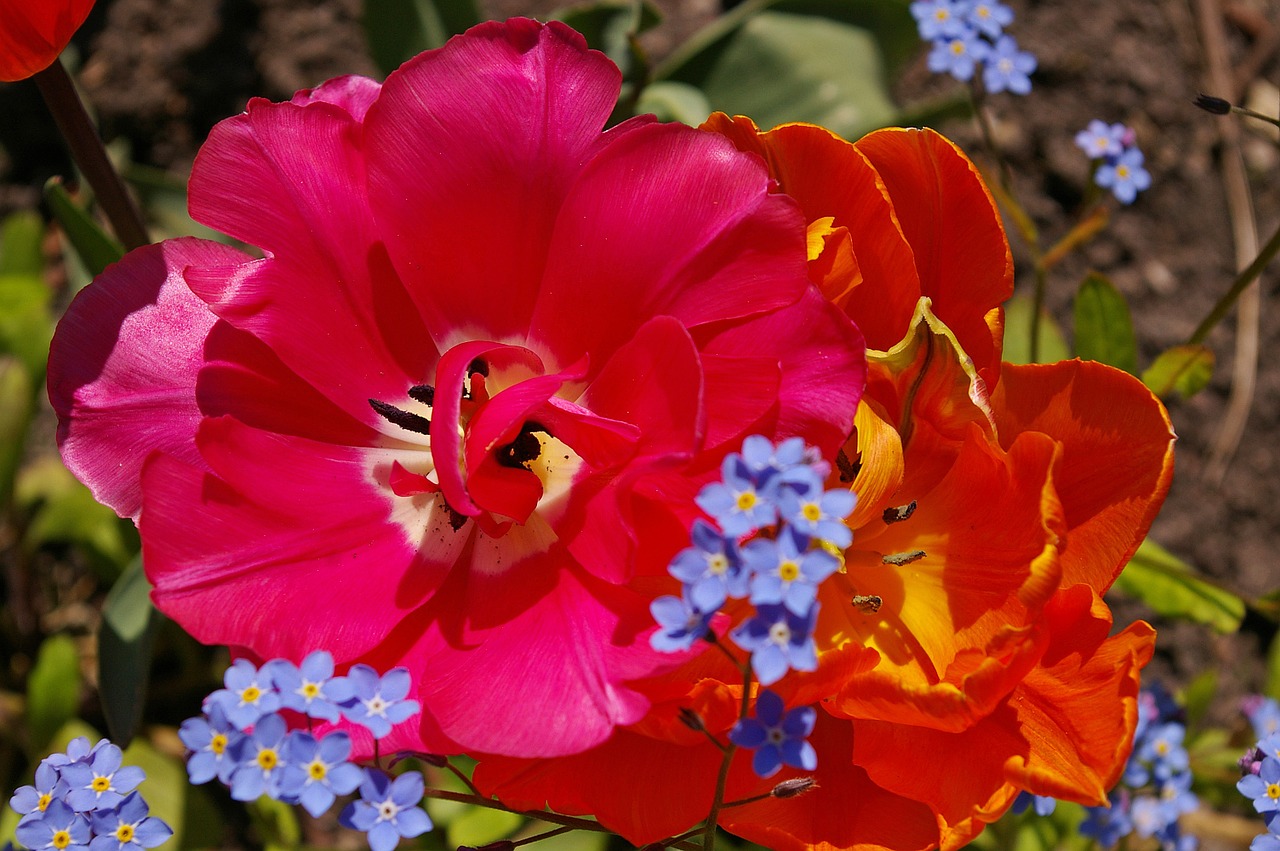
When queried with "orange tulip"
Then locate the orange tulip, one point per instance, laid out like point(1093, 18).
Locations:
point(34, 32)
point(996, 503)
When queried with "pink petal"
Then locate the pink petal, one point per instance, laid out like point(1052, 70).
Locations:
point(290, 180)
point(123, 364)
point(472, 149)
point(666, 219)
point(352, 93)
point(288, 533)
point(567, 648)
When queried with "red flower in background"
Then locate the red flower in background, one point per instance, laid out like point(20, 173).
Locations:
point(34, 32)
point(965, 653)
point(455, 418)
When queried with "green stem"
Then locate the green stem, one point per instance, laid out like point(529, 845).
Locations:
point(1238, 286)
point(86, 149)
point(1037, 305)
point(722, 780)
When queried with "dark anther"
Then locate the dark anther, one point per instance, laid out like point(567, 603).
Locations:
point(899, 559)
point(478, 365)
point(405, 419)
point(525, 448)
point(794, 786)
point(1209, 103)
point(902, 512)
point(848, 469)
point(424, 393)
point(867, 604)
point(456, 518)
point(692, 720)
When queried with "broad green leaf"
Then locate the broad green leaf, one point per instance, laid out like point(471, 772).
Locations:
point(400, 29)
point(53, 689)
point(97, 248)
point(889, 21)
point(26, 325)
point(779, 67)
point(125, 640)
point(1171, 588)
point(1017, 334)
point(276, 822)
point(479, 826)
point(1198, 696)
point(1184, 369)
point(64, 511)
point(20, 251)
point(671, 101)
point(1104, 329)
point(16, 408)
point(166, 786)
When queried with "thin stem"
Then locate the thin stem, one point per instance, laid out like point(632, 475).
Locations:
point(977, 97)
point(1037, 305)
point(1238, 286)
point(541, 836)
point(86, 149)
point(461, 775)
point(490, 803)
point(722, 780)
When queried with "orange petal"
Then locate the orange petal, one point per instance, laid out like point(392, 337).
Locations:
point(951, 222)
point(830, 177)
point(1117, 456)
point(950, 626)
point(846, 811)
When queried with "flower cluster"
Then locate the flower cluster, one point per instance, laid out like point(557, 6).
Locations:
point(1261, 769)
point(1156, 787)
point(243, 740)
point(85, 798)
point(966, 33)
point(1114, 149)
point(765, 488)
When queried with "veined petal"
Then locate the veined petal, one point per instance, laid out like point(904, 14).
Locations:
point(123, 366)
point(950, 220)
point(1117, 456)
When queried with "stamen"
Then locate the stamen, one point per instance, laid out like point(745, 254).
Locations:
point(867, 604)
point(524, 449)
point(848, 469)
point(899, 559)
point(424, 393)
point(405, 419)
point(902, 512)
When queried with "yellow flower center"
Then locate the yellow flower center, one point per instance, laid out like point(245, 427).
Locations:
point(267, 759)
point(1162, 748)
point(746, 500)
point(957, 47)
point(124, 833)
point(317, 770)
point(812, 512)
point(1273, 791)
point(1122, 172)
point(43, 803)
point(218, 743)
point(789, 571)
point(310, 690)
point(983, 12)
point(61, 839)
point(941, 15)
point(250, 694)
point(100, 784)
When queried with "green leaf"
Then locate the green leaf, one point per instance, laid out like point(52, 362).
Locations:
point(779, 67)
point(1185, 369)
point(65, 512)
point(1104, 330)
point(889, 21)
point(1198, 696)
point(1171, 588)
point(611, 26)
point(53, 689)
point(20, 251)
point(277, 823)
point(1017, 334)
point(1273, 668)
point(479, 826)
point(125, 640)
point(671, 101)
point(26, 325)
point(97, 248)
point(400, 29)
point(166, 785)
point(17, 406)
